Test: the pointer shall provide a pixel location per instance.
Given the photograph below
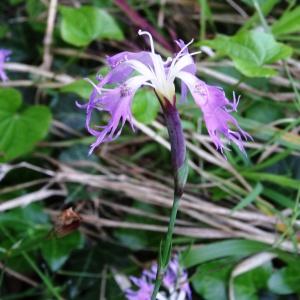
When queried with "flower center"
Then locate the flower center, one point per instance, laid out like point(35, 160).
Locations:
point(125, 90)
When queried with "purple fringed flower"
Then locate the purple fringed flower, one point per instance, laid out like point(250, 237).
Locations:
point(4, 55)
point(143, 291)
point(175, 283)
point(129, 71)
point(177, 278)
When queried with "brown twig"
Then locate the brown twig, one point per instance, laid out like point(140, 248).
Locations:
point(47, 57)
point(30, 198)
point(18, 276)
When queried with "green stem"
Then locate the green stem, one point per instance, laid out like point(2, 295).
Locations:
point(167, 245)
point(261, 16)
point(180, 170)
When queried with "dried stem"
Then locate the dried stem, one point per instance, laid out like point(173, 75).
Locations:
point(47, 57)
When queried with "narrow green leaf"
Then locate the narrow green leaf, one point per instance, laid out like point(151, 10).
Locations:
point(221, 249)
point(288, 23)
point(266, 6)
point(277, 179)
point(250, 198)
point(279, 198)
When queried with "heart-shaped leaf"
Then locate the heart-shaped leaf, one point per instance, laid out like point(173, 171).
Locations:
point(251, 51)
point(80, 26)
point(145, 106)
point(57, 250)
point(20, 130)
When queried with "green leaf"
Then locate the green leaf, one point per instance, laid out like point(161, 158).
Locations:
point(288, 23)
point(56, 251)
point(80, 87)
point(21, 219)
point(248, 285)
point(264, 112)
point(279, 198)
point(273, 178)
point(266, 7)
point(145, 106)
point(250, 197)
point(251, 51)
point(3, 30)
point(138, 239)
point(20, 131)
point(266, 132)
point(250, 2)
point(210, 280)
point(16, 2)
point(80, 26)
point(286, 280)
point(221, 249)
point(34, 8)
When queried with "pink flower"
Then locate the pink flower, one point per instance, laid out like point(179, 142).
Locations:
point(143, 291)
point(130, 71)
point(4, 55)
point(175, 283)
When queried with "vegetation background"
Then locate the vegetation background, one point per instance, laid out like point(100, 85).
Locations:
point(238, 230)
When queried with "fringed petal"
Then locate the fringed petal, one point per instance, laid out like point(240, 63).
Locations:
point(192, 69)
point(4, 56)
point(116, 102)
point(121, 71)
point(216, 110)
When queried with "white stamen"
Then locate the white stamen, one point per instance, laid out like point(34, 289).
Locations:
point(180, 52)
point(94, 85)
point(168, 60)
point(141, 32)
point(195, 53)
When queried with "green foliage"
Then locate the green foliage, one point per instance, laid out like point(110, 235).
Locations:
point(248, 285)
point(145, 106)
point(56, 251)
point(141, 239)
point(20, 130)
point(34, 8)
point(222, 249)
point(210, 279)
point(134, 171)
point(286, 280)
point(81, 26)
point(80, 87)
point(251, 51)
point(250, 197)
point(15, 2)
point(288, 23)
point(264, 112)
point(250, 2)
point(29, 226)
